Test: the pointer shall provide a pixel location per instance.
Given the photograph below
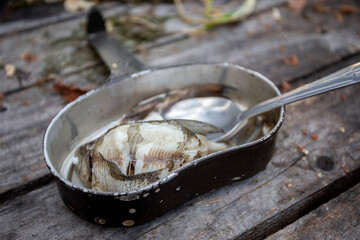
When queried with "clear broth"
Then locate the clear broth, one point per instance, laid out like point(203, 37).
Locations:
point(253, 129)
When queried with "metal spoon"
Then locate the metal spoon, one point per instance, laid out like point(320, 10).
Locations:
point(225, 114)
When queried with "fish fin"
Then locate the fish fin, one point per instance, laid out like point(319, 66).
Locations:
point(198, 127)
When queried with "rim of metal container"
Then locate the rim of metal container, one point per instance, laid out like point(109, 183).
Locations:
point(158, 183)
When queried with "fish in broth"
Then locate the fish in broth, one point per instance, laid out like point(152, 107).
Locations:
point(130, 156)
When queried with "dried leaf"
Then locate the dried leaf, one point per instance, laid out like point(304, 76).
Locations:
point(9, 70)
point(314, 137)
point(25, 102)
point(339, 17)
point(43, 80)
point(282, 48)
point(348, 9)
point(301, 148)
point(285, 86)
point(292, 60)
point(27, 57)
point(321, 8)
point(1, 96)
point(69, 92)
point(296, 5)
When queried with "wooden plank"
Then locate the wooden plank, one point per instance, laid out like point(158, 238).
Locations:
point(247, 210)
point(19, 133)
point(24, 25)
point(239, 44)
point(61, 51)
point(261, 43)
point(163, 9)
point(57, 42)
point(26, 133)
point(22, 129)
point(337, 219)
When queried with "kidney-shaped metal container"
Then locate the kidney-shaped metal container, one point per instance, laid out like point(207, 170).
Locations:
point(99, 107)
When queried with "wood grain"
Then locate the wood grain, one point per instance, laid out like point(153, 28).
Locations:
point(60, 46)
point(244, 210)
point(21, 135)
point(214, 46)
point(261, 43)
point(337, 219)
point(293, 183)
point(25, 25)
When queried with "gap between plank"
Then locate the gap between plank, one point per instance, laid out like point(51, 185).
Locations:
point(303, 207)
point(349, 57)
point(295, 161)
point(26, 188)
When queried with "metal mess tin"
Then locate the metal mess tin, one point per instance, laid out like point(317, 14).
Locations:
point(79, 120)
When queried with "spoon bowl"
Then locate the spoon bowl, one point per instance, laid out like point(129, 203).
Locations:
point(226, 115)
point(218, 111)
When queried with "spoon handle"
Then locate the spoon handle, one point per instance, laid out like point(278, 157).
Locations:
point(342, 78)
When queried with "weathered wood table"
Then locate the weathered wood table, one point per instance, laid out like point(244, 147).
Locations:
point(299, 196)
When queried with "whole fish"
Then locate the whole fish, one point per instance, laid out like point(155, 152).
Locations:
point(130, 156)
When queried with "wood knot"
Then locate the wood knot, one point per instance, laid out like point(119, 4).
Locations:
point(325, 163)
